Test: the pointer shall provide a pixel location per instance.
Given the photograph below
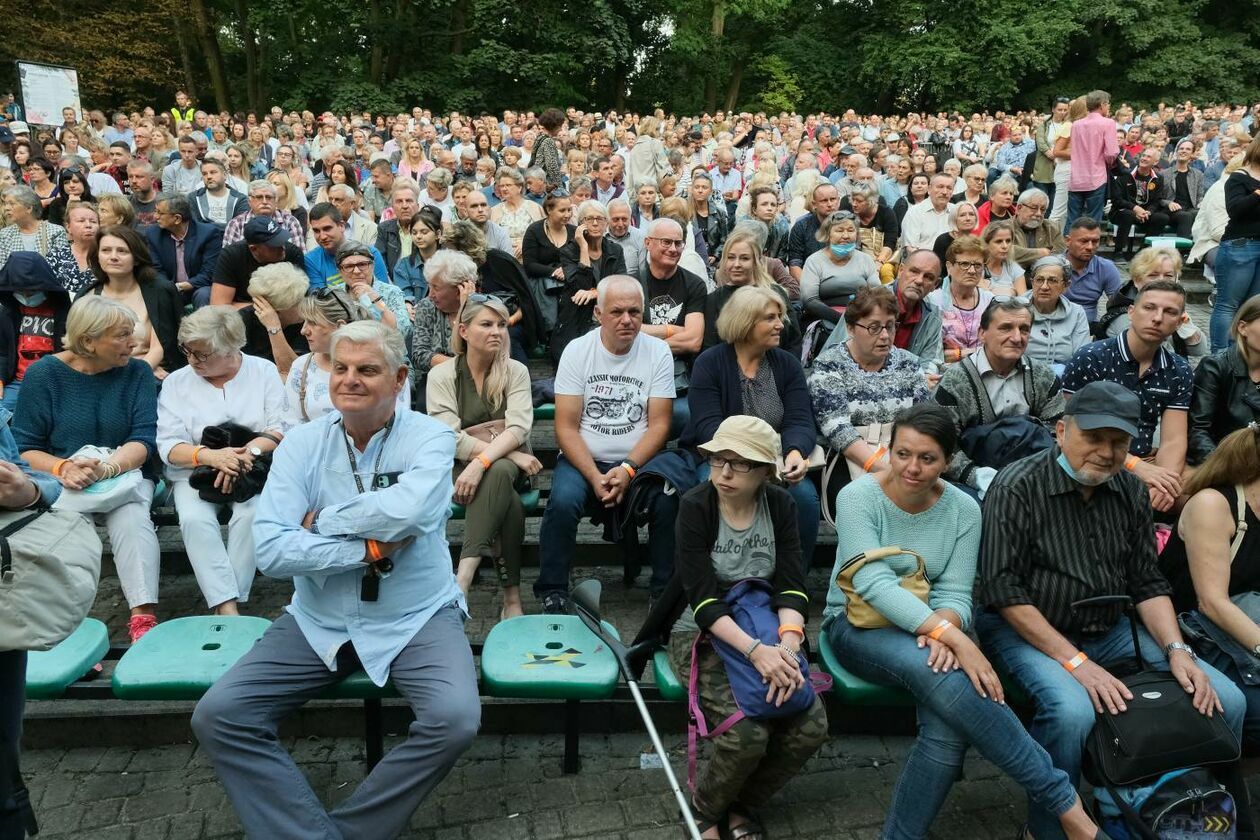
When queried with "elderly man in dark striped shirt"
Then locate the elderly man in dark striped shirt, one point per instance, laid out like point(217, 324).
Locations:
point(1068, 524)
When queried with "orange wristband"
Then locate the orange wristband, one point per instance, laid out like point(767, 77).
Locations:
point(630, 471)
point(196, 449)
point(669, 330)
point(56, 470)
point(939, 630)
point(1131, 462)
point(791, 628)
point(870, 462)
point(485, 462)
point(1075, 662)
point(374, 551)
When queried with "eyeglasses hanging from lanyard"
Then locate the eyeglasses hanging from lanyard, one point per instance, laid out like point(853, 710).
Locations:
point(370, 589)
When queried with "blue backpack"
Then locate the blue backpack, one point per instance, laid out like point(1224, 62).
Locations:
point(749, 602)
point(1187, 804)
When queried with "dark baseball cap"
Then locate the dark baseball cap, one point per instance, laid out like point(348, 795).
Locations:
point(264, 230)
point(6, 136)
point(1106, 405)
point(846, 150)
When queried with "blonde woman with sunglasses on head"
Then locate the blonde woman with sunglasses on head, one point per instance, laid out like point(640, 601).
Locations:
point(484, 395)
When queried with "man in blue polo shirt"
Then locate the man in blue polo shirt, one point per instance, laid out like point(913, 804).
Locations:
point(329, 231)
point(1093, 277)
point(1161, 379)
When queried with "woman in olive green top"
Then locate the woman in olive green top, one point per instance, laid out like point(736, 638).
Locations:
point(483, 384)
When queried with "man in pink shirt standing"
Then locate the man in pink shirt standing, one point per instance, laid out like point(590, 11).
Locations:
point(1094, 149)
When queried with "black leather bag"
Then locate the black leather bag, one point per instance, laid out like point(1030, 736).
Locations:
point(1161, 731)
point(246, 486)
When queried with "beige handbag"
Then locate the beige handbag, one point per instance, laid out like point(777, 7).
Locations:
point(861, 614)
point(875, 435)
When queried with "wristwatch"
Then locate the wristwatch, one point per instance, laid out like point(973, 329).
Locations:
point(274, 332)
point(1168, 649)
point(255, 451)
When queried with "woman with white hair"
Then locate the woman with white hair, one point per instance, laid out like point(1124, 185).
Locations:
point(95, 393)
point(513, 213)
point(220, 385)
point(586, 259)
point(487, 393)
point(273, 325)
point(437, 192)
point(452, 277)
point(26, 231)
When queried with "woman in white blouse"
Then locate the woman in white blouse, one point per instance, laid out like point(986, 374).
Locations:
point(306, 388)
point(220, 384)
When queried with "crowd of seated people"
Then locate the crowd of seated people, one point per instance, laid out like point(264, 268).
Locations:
point(940, 343)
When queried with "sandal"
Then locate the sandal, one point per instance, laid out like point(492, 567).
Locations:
point(703, 824)
point(750, 829)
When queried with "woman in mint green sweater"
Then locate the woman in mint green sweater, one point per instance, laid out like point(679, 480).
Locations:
point(927, 651)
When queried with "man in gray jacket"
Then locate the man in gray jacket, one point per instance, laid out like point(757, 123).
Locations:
point(919, 324)
point(996, 382)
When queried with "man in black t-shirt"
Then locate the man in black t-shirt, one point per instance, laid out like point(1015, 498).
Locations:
point(266, 242)
point(675, 306)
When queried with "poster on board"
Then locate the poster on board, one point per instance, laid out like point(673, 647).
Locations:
point(46, 89)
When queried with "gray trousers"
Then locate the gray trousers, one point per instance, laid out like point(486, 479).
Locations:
point(236, 724)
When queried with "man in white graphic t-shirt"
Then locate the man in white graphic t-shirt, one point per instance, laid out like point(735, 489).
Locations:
point(614, 393)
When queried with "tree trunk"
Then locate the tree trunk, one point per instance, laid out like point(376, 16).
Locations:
point(376, 60)
point(717, 25)
point(732, 86)
point(209, 41)
point(249, 43)
point(459, 24)
point(401, 24)
point(185, 58)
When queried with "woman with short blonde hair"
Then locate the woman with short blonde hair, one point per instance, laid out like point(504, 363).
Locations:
point(94, 393)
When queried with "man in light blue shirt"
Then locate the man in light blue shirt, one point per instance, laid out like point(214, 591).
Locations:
point(1012, 155)
point(329, 230)
point(354, 512)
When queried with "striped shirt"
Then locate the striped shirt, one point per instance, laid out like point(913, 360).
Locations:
point(1043, 544)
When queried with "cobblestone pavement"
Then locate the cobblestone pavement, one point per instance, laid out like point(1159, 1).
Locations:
point(505, 788)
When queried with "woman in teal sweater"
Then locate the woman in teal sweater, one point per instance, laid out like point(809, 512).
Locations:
point(926, 650)
point(94, 393)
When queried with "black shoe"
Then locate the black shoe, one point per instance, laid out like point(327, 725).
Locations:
point(555, 603)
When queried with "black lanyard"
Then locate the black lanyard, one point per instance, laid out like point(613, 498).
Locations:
point(371, 586)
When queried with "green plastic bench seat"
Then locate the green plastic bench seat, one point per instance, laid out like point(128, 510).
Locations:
point(851, 690)
point(666, 680)
point(49, 672)
point(529, 501)
point(359, 687)
point(180, 659)
point(546, 411)
point(553, 657)
point(1178, 242)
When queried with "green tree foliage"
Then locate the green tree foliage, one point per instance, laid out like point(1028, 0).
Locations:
point(682, 55)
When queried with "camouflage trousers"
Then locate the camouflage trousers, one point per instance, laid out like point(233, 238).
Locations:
point(753, 759)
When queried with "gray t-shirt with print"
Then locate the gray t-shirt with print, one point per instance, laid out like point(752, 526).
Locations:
point(738, 554)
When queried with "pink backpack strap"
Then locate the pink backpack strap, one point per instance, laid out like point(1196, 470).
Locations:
point(696, 723)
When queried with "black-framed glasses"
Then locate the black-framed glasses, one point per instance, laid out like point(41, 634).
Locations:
point(970, 267)
point(875, 328)
point(327, 293)
point(355, 267)
point(717, 463)
point(190, 353)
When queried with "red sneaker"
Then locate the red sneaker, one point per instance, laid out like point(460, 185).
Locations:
point(139, 625)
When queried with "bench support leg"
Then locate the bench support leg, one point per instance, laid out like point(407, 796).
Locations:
point(572, 720)
point(373, 731)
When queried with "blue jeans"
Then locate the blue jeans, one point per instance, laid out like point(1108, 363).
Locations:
point(571, 499)
point(1220, 660)
point(12, 701)
point(952, 717)
point(1237, 280)
point(808, 511)
point(1085, 204)
point(1064, 714)
point(10, 398)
